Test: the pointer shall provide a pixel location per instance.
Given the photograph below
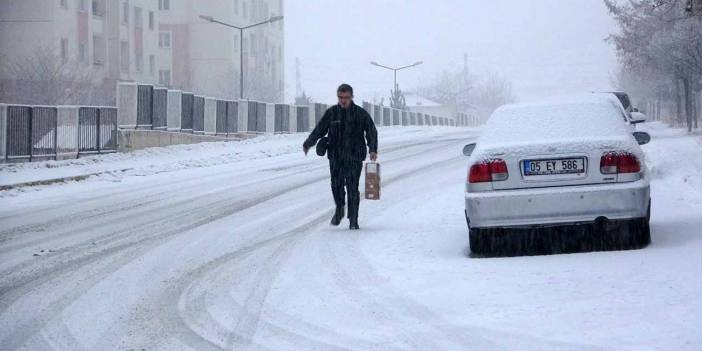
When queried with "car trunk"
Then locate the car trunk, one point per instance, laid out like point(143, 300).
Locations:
point(555, 164)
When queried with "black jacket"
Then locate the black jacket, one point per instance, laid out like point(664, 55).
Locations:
point(346, 133)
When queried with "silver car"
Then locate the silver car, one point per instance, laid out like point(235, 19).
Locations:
point(555, 177)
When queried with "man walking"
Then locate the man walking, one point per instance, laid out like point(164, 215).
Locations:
point(346, 125)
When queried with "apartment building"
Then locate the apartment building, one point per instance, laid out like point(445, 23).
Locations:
point(205, 57)
point(114, 40)
point(162, 42)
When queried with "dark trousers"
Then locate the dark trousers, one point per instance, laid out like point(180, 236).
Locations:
point(346, 173)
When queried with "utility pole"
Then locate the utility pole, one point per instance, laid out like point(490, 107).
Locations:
point(241, 43)
point(298, 83)
point(395, 69)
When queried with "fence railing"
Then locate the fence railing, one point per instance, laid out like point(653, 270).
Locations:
point(30, 133)
point(144, 106)
point(33, 133)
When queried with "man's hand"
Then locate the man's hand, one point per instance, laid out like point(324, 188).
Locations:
point(374, 156)
point(305, 149)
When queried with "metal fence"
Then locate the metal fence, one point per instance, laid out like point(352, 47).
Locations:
point(186, 112)
point(97, 130)
point(145, 106)
point(252, 118)
point(227, 117)
point(19, 126)
point(282, 118)
point(199, 114)
point(232, 117)
point(303, 118)
point(33, 133)
point(160, 108)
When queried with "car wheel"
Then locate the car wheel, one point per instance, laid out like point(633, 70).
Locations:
point(474, 240)
point(643, 233)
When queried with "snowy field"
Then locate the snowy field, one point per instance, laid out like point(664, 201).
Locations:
point(226, 246)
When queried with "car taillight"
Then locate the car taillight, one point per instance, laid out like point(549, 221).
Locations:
point(488, 171)
point(619, 162)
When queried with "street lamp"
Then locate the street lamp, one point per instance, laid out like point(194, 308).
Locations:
point(241, 43)
point(395, 69)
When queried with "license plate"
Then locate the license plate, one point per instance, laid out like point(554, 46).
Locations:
point(554, 166)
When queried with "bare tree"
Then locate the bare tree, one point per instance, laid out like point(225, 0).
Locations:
point(661, 39)
point(450, 88)
point(303, 100)
point(397, 99)
point(47, 78)
point(493, 92)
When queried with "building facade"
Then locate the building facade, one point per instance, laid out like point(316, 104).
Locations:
point(204, 57)
point(162, 42)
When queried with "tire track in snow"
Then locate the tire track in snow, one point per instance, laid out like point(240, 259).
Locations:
point(242, 333)
point(186, 206)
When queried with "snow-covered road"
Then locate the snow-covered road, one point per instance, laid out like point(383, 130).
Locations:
point(206, 248)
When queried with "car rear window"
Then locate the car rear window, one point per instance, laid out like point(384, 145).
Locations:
point(576, 119)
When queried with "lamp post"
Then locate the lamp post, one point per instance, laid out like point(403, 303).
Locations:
point(241, 43)
point(395, 69)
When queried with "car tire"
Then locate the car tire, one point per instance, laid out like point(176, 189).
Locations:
point(474, 241)
point(643, 233)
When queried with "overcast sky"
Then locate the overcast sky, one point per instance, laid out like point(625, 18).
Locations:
point(544, 46)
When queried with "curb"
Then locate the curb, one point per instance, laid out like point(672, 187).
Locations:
point(58, 180)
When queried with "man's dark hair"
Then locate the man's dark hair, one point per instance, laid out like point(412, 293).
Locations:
point(345, 88)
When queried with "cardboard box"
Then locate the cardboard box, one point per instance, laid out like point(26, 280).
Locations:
point(373, 181)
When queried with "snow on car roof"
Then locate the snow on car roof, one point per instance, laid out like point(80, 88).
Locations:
point(577, 117)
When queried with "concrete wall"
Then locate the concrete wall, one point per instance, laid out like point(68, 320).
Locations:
point(131, 140)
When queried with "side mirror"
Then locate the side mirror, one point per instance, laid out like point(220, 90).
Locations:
point(642, 137)
point(637, 117)
point(635, 109)
point(468, 149)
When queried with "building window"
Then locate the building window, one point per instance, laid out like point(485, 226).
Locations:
point(125, 12)
point(164, 39)
point(138, 23)
point(83, 5)
point(164, 77)
point(151, 20)
point(64, 49)
point(64, 4)
point(98, 50)
point(140, 63)
point(98, 8)
point(253, 43)
point(124, 56)
point(82, 52)
point(164, 5)
point(152, 64)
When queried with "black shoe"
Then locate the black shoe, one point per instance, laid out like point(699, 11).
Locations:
point(353, 224)
point(338, 216)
